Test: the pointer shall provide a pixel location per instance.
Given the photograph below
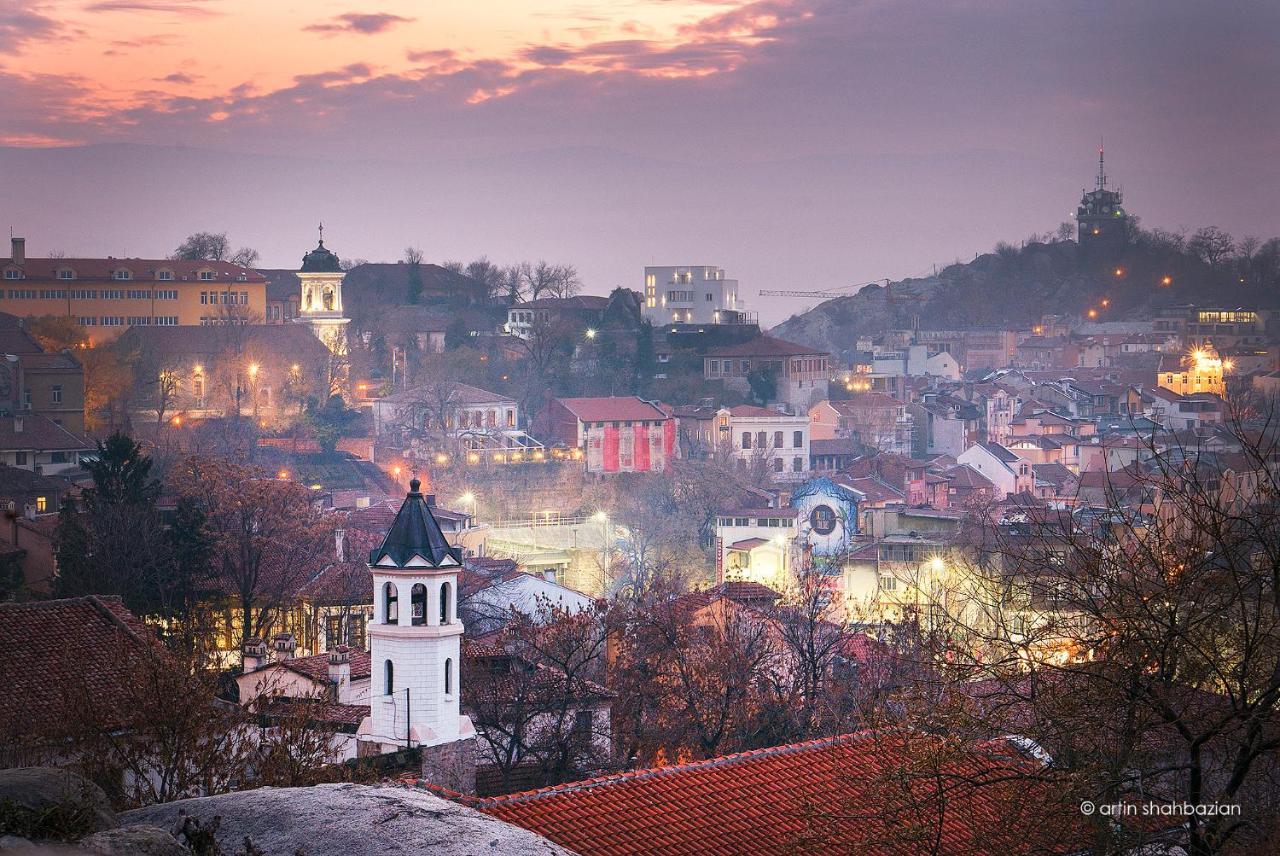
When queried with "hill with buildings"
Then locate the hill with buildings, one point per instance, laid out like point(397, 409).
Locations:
point(1015, 287)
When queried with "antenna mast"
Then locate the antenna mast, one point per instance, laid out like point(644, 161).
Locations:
point(1102, 173)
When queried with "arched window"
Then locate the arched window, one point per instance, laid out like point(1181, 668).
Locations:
point(444, 603)
point(388, 678)
point(328, 299)
point(391, 606)
point(418, 599)
point(448, 676)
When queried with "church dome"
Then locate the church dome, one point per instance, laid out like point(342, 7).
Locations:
point(320, 260)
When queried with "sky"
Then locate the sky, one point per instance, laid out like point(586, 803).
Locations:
point(797, 143)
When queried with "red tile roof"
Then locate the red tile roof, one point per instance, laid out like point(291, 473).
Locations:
point(765, 346)
point(144, 270)
point(316, 667)
point(825, 796)
point(859, 401)
point(48, 645)
point(39, 433)
point(612, 408)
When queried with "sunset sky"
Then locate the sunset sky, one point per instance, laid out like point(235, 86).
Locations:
point(841, 139)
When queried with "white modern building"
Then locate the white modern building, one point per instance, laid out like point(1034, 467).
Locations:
point(691, 294)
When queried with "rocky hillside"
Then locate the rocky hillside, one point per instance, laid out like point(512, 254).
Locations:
point(1014, 287)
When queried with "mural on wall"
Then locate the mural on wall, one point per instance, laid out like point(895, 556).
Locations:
point(828, 515)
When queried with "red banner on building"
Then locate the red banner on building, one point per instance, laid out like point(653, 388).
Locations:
point(610, 449)
point(642, 449)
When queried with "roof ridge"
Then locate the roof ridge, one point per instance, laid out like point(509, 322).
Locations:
point(659, 772)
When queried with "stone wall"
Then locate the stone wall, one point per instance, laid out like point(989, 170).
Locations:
point(451, 765)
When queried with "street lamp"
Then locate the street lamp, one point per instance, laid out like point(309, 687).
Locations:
point(591, 333)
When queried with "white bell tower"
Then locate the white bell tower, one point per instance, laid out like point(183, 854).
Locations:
point(320, 303)
point(415, 638)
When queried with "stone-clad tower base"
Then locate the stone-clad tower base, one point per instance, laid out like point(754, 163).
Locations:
point(451, 765)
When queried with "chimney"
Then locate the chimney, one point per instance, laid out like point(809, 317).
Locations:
point(431, 500)
point(285, 645)
point(19, 252)
point(253, 656)
point(339, 545)
point(340, 673)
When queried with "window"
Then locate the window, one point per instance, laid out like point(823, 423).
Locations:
point(164, 275)
point(418, 600)
point(55, 394)
point(888, 583)
point(388, 678)
point(42, 503)
point(167, 320)
point(59, 458)
point(84, 294)
point(139, 294)
point(167, 294)
point(762, 440)
point(710, 297)
point(19, 459)
point(333, 631)
point(12, 273)
point(746, 439)
point(583, 725)
point(777, 439)
point(244, 298)
point(22, 293)
point(390, 604)
point(66, 273)
point(797, 465)
point(122, 274)
point(448, 676)
point(113, 294)
point(444, 604)
point(207, 275)
point(53, 294)
point(797, 440)
point(204, 297)
point(777, 465)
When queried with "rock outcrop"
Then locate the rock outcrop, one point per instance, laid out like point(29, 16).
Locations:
point(347, 820)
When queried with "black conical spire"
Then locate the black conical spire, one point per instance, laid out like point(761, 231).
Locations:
point(415, 532)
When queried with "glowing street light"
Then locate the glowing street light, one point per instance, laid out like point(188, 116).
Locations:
point(1119, 271)
point(253, 370)
point(1106, 301)
point(591, 333)
point(1166, 280)
point(282, 475)
point(1093, 313)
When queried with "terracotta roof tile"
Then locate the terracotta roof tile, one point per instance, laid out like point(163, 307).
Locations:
point(83, 641)
point(823, 796)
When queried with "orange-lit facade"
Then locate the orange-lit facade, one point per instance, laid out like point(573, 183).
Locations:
point(107, 296)
point(1201, 371)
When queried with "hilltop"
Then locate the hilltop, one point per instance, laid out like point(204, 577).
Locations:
point(1014, 287)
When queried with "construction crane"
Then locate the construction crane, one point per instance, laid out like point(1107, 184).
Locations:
point(824, 294)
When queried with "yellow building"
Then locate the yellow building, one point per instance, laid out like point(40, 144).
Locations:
point(107, 296)
point(1200, 372)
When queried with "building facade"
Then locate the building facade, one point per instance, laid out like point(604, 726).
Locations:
point(754, 433)
point(106, 296)
point(799, 375)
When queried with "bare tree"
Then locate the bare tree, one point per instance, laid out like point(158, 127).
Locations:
point(1211, 245)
